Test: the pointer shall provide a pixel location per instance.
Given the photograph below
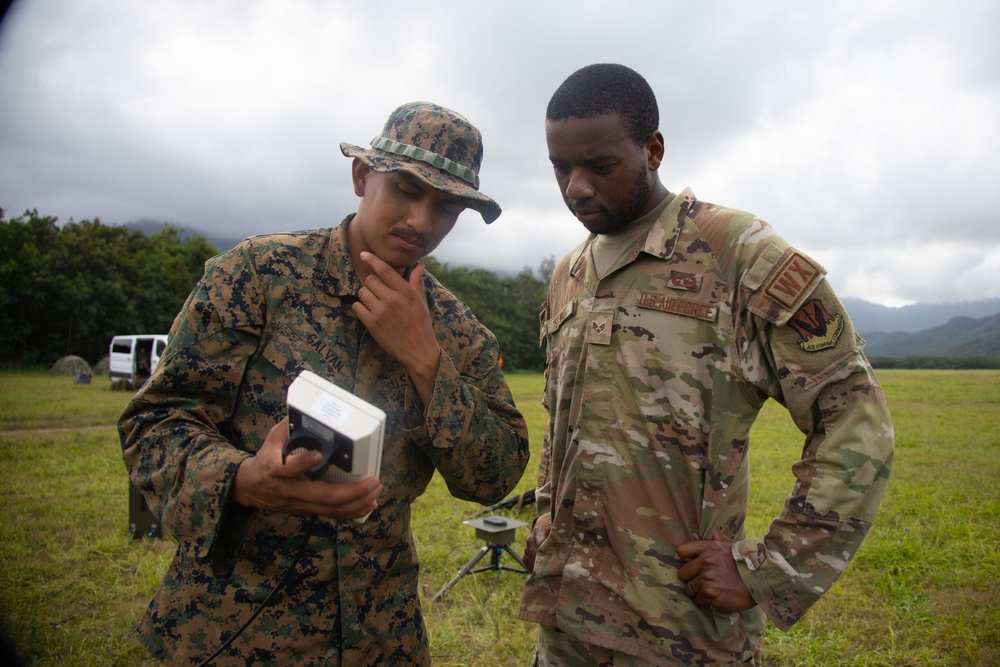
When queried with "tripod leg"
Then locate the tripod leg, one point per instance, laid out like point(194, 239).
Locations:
point(515, 556)
point(461, 573)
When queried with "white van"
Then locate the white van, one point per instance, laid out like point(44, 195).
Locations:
point(133, 357)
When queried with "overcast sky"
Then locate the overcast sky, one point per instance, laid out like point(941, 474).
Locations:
point(866, 131)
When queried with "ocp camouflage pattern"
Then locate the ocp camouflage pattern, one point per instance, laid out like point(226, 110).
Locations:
point(263, 312)
point(654, 377)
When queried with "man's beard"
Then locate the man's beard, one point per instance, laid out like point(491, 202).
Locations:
point(629, 211)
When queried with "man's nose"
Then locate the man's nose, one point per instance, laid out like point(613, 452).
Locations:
point(578, 186)
point(421, 217)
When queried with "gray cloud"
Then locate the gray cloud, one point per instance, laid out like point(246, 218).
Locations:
point(865, 132)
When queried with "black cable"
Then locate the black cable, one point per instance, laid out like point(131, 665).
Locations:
point(277, 587)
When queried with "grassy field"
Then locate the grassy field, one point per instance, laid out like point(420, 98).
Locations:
point(923, 590)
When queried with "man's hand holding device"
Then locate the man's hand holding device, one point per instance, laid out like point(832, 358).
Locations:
point(331, 437)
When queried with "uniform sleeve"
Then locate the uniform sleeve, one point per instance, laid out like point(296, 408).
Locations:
point(817, 369)
point(173, 444)
point(472, 431)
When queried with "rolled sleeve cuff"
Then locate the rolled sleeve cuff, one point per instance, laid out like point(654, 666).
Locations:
point(771, 581)
point(213, 519)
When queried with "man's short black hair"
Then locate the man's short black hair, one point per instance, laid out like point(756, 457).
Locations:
point(607, 88)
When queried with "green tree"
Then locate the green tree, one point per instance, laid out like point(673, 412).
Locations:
point(26, 284)
point(170, 266)
point(507, 305)
point(68, 289)
point(546, 268)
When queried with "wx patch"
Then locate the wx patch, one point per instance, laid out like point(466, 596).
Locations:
point(818, 329)
point(793, 279)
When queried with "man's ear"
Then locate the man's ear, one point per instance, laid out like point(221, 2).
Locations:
point(359, 175)
point(654, 150)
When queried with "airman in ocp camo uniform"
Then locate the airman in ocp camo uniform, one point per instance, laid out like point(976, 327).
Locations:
point(666, 331)
point(202, 440)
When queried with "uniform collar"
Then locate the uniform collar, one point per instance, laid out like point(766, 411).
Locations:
point(661, 240)
point(340, 278)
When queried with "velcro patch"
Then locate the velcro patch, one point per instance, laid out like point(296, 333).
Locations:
point(685, 281)
point(678, 306)
point(599, 328)
point(792, 279)
point(818, 329)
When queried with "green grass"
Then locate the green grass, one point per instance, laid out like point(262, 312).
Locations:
point(36, 400)
point(923, 590)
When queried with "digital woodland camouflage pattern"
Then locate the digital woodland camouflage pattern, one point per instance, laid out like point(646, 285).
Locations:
point(435, 144)
point(655, 375)
point(263, 312)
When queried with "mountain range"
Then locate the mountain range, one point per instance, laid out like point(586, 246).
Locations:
point(960, 329)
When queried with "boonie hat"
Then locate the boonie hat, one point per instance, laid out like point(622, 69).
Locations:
point(435, 144)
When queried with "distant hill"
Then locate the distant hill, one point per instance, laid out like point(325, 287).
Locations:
point(150, 226)
point(872, 317)
point(960, 329)
point(959, 337)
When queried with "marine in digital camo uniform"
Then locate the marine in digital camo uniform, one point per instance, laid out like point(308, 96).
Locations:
point(658, 362)
point(265, 311)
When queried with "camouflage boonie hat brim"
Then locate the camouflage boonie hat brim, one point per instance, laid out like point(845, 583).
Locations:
point(435, 144)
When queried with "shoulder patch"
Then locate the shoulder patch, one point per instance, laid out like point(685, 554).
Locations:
point(818, 329)
point(792, 279)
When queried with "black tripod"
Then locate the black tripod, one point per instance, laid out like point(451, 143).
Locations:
point(498, 533)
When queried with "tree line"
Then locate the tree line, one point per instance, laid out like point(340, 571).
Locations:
point(507, 305)
point(67, 289)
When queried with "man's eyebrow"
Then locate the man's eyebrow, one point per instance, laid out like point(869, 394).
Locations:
point(427, 187)
point(588, 160)
point(415, 182)
point(409, 178)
